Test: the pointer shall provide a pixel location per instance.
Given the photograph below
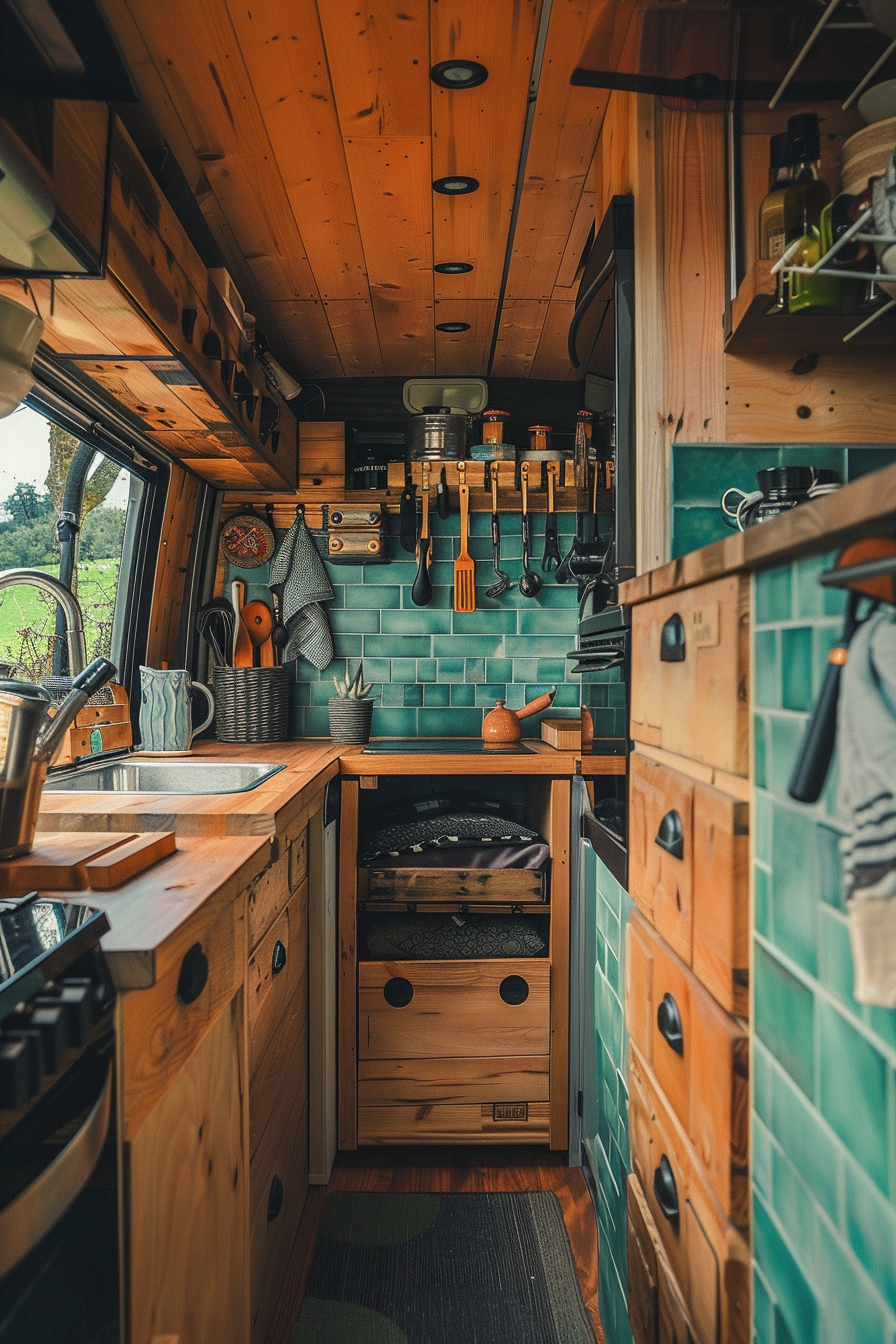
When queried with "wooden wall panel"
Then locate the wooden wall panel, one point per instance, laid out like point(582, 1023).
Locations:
point(174, 552)
point(406, 335)
point(848, 400)
point(552, 356)
point(478, 132)
point(354, 333)
point(465, 352)
point(378, 66)
point(392, 188)
point(564, 135)
point(519, 332)
point(303, 323)
point(283, 48)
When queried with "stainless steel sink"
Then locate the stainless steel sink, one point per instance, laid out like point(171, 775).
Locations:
point(136, 775)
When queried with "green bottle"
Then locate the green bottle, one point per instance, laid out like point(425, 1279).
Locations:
point(804, 201)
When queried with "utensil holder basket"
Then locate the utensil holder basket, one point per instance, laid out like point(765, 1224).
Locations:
point(251, 703)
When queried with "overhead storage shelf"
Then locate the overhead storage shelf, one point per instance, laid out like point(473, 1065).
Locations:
point(758, 327)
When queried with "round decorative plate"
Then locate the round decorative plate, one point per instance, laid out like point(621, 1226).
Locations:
point(247, 541)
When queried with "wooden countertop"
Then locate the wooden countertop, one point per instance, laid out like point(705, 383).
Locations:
point(865, 507)
point(269, 807)
point(148, 912)
point(309, 764)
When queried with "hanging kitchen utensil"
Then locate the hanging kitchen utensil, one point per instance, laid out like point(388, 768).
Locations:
point(585, 558)
point(530, 583)
point(503, 582)
point(407, 513)
point(464, 567)
point(246, 540)
point(242, 644)
point(552, 557)
point(814, 758)
point(279, 634)
point(421, 593)
point(259, 622)
point(442, 502)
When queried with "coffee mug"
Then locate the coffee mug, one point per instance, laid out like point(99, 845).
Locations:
point(166, 720)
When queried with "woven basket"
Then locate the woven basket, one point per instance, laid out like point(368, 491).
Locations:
point(350, 721)
point(251, 703)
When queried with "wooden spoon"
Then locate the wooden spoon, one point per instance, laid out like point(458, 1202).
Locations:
point(242, 644)
point(259, 622)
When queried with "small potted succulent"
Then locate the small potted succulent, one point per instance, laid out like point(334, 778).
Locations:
point(351, 709)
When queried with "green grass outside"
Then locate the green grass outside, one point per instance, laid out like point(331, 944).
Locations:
point(28, 618)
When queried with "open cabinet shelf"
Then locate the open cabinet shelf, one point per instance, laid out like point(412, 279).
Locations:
point(758, 328)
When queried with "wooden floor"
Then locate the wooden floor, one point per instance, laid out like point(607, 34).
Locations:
point(448, 1169)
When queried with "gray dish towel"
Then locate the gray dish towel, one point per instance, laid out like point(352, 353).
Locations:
point(866, 755)
point(297, 566)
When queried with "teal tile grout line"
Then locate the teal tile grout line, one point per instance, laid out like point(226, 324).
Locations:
point(821, 991)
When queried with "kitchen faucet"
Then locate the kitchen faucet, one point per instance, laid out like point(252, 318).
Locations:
point(74, 618)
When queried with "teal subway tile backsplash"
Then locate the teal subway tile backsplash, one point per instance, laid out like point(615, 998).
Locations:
point(823, 1066)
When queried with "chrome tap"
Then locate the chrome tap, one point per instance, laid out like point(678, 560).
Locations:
point(74, 618)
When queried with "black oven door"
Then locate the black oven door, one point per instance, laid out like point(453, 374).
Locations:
point(59, 1213)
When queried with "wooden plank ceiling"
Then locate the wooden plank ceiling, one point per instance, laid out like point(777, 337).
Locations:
point(312, 134)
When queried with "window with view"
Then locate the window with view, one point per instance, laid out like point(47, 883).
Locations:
point(64, 509)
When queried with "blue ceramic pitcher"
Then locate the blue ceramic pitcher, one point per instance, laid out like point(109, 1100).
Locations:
point(166, 718)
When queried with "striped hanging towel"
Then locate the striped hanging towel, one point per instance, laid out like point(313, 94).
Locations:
point(297, 566)
point(866, 756)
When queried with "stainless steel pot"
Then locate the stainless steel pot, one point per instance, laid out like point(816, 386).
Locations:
point(29, 740)
point(437, 434)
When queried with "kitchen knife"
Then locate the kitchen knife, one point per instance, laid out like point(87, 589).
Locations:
point(421, 593)
point(407, 515)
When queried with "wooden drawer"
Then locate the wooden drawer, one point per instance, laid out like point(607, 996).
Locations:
point(159, 1030)
point(281, 1162)
point(453, 1008)
point(472, 1123)
point(709, 1259)
point(477, 885)
point(656, 1307)
point(698, 706)
point(688, 866)
point(270, 892)
point(702, 1068)
point(276, 970)
point(511, 1078)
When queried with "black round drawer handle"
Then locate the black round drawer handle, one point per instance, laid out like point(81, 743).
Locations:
point(514, 990)
point(275, 1198)
point(668, 1020)
point(193, 976)
point(670, 835)
point(278, 958)
point(672, 645)
point(666, 1191)
point(398, 992)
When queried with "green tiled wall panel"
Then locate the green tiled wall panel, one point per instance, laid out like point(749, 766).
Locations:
point(823, 1066)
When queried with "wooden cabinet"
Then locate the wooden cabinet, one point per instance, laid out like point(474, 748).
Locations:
point(456, 1051)
point(688, 865)
point(699, 1056)
point(708, 1257)
point(690, 666)
point(656, 1309)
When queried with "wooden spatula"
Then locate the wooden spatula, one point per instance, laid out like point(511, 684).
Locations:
point(259, 622)
point(242, 644)
point(464, 567)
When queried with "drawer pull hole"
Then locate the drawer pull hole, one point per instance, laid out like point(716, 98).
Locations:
point(514, 990)
point(666, 1191)
point(670, 835)
point(668, 1020)
point(193, 976)
point(672, 648)
point(278, 958)
point(275, 1198)
point(398, 992)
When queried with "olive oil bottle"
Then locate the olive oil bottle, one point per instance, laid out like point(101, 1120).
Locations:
point(804, 201)
point(771, 211)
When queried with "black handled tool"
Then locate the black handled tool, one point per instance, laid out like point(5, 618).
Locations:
point(811, 767)
point(530, 583)
point(407, 513)
point(503, 580)
point(442, 502)
point(421, 593)
point(552, 557)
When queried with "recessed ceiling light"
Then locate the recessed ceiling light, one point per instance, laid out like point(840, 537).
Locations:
point(453, 267)
point(458, 74)
point(455, 186)
point(452, 326)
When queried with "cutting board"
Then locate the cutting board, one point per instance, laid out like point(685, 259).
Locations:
point(83, 860)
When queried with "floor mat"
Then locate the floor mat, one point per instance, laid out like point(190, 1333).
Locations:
point(443, 1269)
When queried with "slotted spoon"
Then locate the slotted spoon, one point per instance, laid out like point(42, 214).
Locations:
point(464, 567)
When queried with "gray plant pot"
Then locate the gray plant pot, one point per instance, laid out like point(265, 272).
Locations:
point(350, 721)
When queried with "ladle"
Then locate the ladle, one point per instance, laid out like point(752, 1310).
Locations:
point(503, 579)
